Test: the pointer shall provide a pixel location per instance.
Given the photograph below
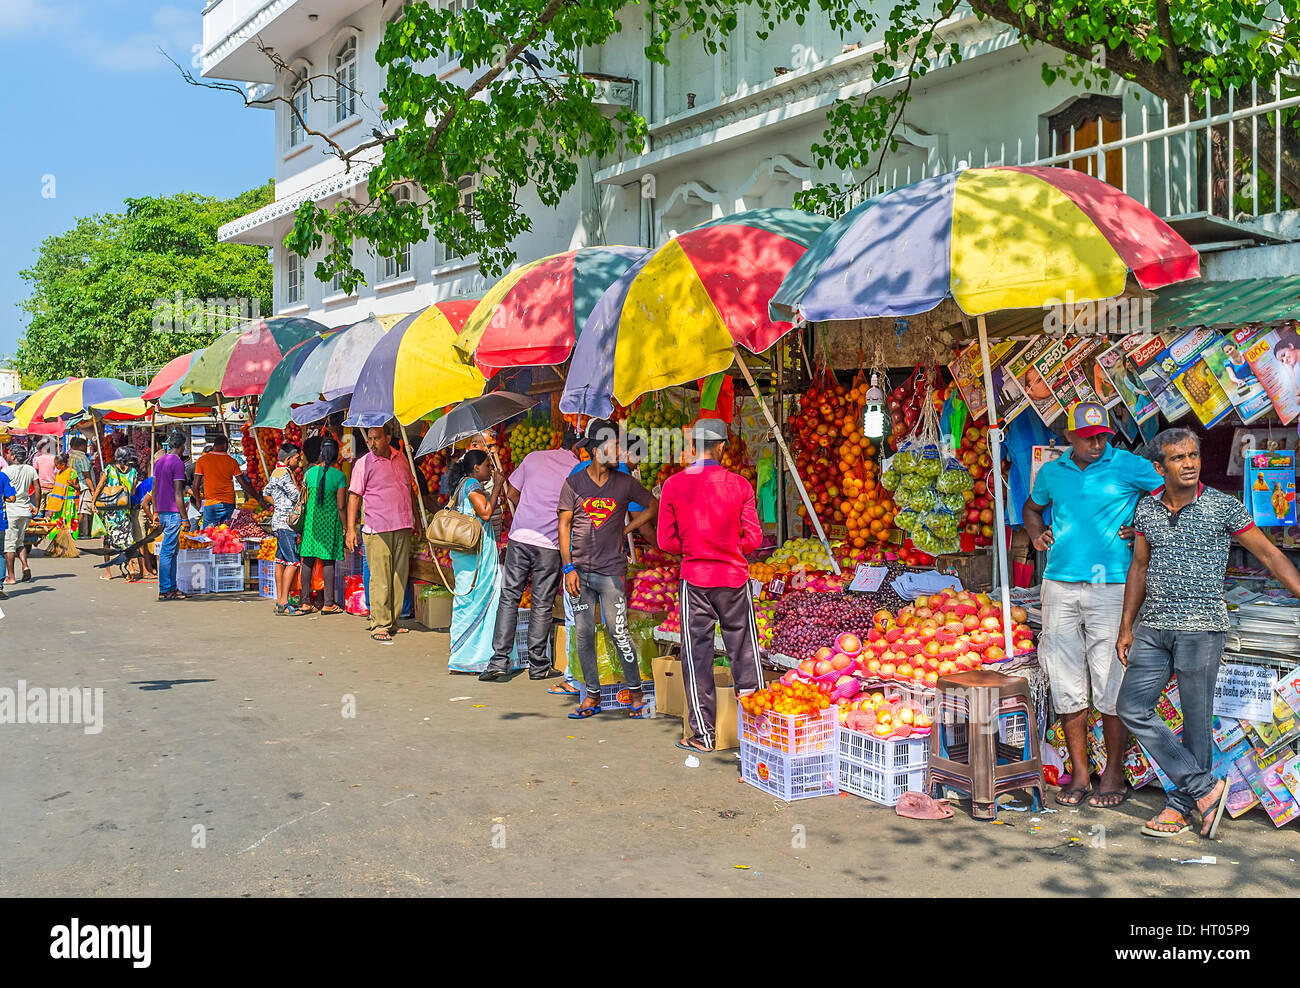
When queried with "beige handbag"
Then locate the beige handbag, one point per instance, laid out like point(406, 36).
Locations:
point(455, 531)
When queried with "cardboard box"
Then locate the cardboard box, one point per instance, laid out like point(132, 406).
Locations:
point(726, 725)
point(560, 648)
point(433, 611)
point(670, 693)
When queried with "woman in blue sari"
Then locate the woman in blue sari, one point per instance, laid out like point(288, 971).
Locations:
point(478, 577)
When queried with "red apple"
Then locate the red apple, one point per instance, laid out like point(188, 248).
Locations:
point(823, 667)
point(823, 654)
point(840, 661)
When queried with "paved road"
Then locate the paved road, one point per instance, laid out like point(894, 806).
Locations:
point(219, 715)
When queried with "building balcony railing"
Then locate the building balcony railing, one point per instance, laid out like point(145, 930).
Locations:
point(1222, 170)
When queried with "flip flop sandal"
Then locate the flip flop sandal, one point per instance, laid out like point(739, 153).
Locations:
point(332, 609)
point(1122, 794)
point(560, 690)
point(1218, 811)
point(383, 638)
point(1162, 834)
point(582, 713)
point(636, 712)
point(919, 806)
point(1084, 793)
point(687, 746)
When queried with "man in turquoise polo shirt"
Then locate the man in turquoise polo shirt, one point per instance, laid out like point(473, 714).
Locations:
point(1092, 492)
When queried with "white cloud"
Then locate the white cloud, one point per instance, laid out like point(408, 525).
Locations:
point(20, 16)
point(175, 30)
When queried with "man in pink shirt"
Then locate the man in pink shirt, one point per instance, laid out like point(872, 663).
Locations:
point(708, 514)
point(532, 552)
point(382, 479)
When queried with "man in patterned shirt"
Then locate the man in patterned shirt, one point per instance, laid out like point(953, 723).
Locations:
point(1180, 556)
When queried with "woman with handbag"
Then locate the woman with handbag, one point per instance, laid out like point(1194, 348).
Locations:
point(113, 502)
point(477, 574)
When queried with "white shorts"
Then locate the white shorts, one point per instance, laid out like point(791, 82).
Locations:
point(15, 533)
point(1080, 625)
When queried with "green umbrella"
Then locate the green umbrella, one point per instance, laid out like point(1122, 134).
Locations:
point(276, 403)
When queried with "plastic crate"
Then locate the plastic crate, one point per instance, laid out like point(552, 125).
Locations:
point(190, 556)
point(227, 559)
point(794, 734)
point(883, 754)
point(785, 776)
point(227, 579)
point(194, 577)
point(266, 577)
point(519, 657)
point(614, 696)
point(352, 563)
point(882, 787)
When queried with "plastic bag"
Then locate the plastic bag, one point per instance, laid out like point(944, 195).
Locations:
point(97, 529)
point(954, 477)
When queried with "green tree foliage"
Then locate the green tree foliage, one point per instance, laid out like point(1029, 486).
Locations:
point(96, 289)
point(528, 115)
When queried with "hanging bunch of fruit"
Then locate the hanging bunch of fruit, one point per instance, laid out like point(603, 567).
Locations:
point(433, 467)
point(838, 464)
point(142, 457)
point(735, 457)
point(975, 457)
point(905, 403)
point(652, 421)
point(531, 434)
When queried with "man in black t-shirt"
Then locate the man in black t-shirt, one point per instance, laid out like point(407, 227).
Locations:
point(593, 526)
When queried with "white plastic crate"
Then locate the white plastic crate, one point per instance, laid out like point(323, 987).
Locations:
point(227, 559)
point(883, 754)
point(882, 787)
point(227, 579)
point(266, 577)
point(794, 734)
point(785, 776)
point(184, 556)
point(615, 696)
point(194, 577)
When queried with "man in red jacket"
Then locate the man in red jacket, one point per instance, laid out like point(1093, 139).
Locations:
point(708, 514)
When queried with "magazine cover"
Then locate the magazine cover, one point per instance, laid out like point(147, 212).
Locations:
point(1269, 489)
point(1088, 382)
point(1230, 368)
point(1198, 384)
point(1050, 365)
point(968, 372)
point(1272, 356)
point(1154, 365)
point(1117, 366)
point(1031, 383)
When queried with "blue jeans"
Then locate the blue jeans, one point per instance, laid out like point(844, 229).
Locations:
point(1155, 656)
point(167, 553)
point(217, 514)
point(610, 593)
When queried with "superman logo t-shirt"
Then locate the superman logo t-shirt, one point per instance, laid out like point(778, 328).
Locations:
point(599, 514)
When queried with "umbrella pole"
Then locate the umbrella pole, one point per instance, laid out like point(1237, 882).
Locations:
point(999, 514)
point(406, 445)
point(99, 441)
point(789, 459)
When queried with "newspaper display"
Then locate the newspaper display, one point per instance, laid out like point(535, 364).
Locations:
point(1117, 365)
point(1030, 381)
point(1272, 358)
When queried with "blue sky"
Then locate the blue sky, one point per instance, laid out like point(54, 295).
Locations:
point(93, 104)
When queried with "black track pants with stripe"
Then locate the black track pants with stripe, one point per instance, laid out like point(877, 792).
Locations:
point(733, 609)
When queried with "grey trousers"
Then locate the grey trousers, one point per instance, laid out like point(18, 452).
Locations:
point(521, 562)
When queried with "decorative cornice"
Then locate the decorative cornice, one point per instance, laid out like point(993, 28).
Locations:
point(336, 184)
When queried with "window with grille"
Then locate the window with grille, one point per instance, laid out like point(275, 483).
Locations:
point(297, 115)
point(345, 79)
point(467, 186)
point(457, 7)
point(292, 278)
point(399, 265)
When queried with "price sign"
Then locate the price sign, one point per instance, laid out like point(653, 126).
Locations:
point(776, 588)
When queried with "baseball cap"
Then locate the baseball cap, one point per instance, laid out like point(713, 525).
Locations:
point(1087, 418)
point(597, 433)
point(710, 430)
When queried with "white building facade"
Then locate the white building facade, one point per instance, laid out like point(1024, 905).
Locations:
point(730, 133)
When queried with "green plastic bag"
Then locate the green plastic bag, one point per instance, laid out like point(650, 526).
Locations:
point(97, 527)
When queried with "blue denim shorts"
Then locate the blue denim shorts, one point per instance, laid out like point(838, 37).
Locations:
point(286, 547)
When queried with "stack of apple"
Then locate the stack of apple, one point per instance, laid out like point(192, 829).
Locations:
point(954, 631)
point(654, 589)
point(765, 619)
point(974, 455)
point(887, 718)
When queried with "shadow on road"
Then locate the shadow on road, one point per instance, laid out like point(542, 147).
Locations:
point(165, 684)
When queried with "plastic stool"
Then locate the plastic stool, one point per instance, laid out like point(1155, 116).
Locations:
point(966, 752)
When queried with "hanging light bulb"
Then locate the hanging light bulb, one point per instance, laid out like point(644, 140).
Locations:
point(873, 411)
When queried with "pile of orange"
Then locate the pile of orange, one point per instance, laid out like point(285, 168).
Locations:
point(765, 572)
point(800, 698)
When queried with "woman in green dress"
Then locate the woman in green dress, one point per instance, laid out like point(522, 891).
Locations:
point(322, 534)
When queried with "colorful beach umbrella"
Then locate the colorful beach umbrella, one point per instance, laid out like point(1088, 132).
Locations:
point(171, 374)
point(275, 406)
point(677, 314)
point(534, 314)
point(137, 409)
point(48, 408)
point(415, 368)
point(238, 364)
point(342, 352)
point(1007, 237)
